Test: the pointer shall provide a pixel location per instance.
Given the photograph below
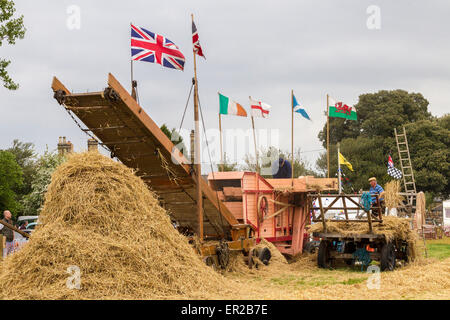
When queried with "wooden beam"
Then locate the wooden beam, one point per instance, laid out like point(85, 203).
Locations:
point(10, 226)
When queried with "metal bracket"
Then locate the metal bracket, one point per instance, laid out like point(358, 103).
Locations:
point(60, 96)
point(110, 94)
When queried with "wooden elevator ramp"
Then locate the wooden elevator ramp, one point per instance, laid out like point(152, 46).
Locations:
point(126, 130)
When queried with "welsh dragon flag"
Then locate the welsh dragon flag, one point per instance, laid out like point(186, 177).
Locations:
point(341, 110)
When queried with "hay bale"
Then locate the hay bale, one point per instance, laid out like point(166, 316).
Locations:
point(102, 218)
point(391, 194)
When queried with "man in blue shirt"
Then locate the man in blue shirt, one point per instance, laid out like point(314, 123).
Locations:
point(376, 189)
point(281, 168)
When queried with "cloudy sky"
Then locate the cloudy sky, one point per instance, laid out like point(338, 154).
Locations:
point(258, 48)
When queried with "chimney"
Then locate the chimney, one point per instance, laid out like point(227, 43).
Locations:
point(64, 146)
point(69, 147)
point(92, 145)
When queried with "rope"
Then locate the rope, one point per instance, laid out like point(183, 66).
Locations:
point(185, 108)
point(85, 130)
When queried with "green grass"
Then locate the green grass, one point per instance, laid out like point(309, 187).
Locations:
point(354, 281)
point(440, 251)
point(299, 282)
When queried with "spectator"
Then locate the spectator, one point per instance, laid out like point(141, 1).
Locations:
point(24, 226)
point(7, 232)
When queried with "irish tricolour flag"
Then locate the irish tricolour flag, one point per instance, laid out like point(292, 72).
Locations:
point(228, 106)
point(341, 110)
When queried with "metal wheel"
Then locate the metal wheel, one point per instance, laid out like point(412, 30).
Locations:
point(223, 254)
point(263, 208)
point(323, 257)
point(350, 247)
point(387, 257)
point(264, 255)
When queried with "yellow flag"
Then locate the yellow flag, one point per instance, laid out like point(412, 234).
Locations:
point(342, 160)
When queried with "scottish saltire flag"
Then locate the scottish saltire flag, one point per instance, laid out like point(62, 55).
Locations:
point(393, 171)
point(196, 42)
point(151, 47)
point(299, 109)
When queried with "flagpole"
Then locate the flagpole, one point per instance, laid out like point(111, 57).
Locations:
point(256, 149)
point(221, 151)
point(328, 137)
point(131, 72)
point(197, 158)
point(292, 138)
point(133, 92)
point(339, 169)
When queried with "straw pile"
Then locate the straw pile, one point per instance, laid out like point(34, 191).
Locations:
point(100, 217)
point(391, 195)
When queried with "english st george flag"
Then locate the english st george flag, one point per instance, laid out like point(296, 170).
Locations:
point(151, 47)
point(259, 109)
point(196, 42)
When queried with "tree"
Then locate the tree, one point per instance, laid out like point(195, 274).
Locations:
point(378, 114)
point(26, 158)
point(266, 158)
point(46, 165)
point(11, 29)
point(227, 166)
point(429, 145)
point(10, 179)
point(176, 139)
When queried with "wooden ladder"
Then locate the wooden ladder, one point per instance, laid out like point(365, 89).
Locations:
point(405, 164)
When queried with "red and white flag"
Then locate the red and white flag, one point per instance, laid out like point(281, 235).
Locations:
point(259, 108)
point(195, 42)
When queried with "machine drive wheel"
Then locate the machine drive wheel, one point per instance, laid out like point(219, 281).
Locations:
point(323, 257)
point(350, 247)
point(387, 257)
point(223, 254)
point(264, 255)
point(309, 247)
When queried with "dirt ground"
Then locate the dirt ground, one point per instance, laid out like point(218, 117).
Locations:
point(428, 278)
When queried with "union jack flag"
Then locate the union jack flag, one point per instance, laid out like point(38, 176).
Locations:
point(151, 47)
point(196, 42)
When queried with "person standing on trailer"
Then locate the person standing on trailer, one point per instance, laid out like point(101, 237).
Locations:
point(376, 189)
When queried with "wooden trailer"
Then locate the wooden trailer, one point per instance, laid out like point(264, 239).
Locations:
point(355, 247)
point(277, 209)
